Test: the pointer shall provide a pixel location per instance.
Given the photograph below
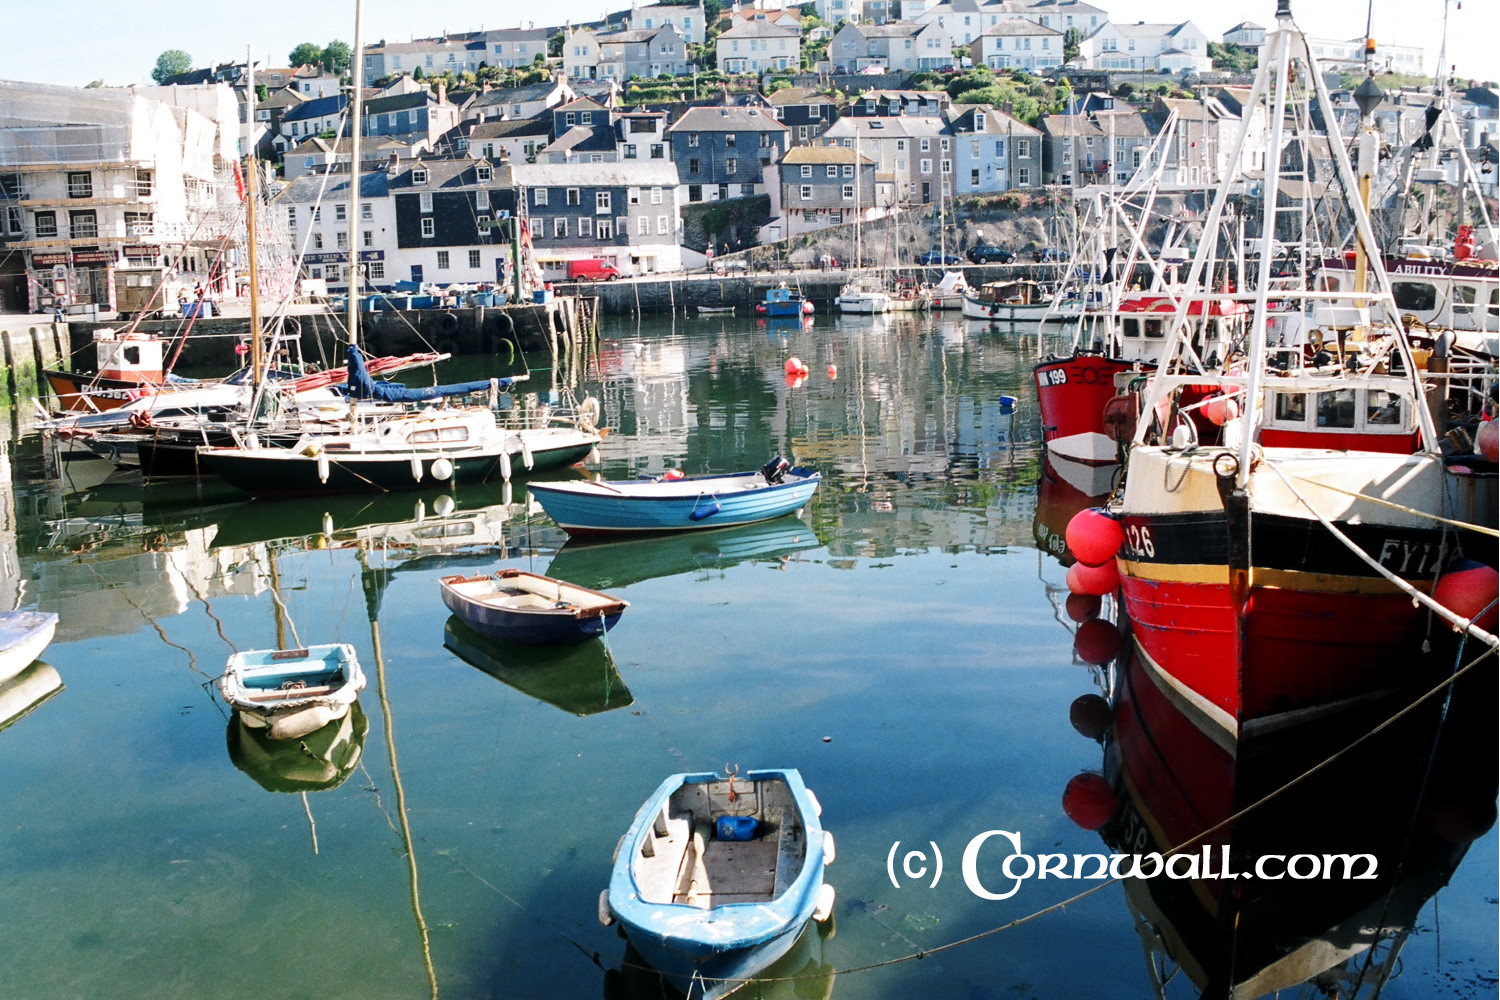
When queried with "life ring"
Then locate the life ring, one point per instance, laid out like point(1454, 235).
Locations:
point(448, 322)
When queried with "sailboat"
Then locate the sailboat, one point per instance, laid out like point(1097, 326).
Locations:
point(408, 449)
point(1286, 514)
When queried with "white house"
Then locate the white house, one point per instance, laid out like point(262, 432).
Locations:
point(688, 21)
point(1018, 44)
point(1351, 52)
point(783, 18)
point(1247, 35)
point(901, 46)
point(834, 11)
point(759, 47)
point(1148, 48)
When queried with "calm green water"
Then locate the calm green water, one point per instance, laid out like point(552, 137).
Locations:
point(902, 644)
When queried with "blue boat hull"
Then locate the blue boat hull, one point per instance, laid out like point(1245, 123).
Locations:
point(634, 507)
point(529, 629)
point(710, 952)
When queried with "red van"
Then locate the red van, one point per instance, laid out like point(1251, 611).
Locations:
point(592, 269)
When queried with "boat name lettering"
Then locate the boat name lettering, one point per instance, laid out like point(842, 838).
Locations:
point(1138, 541)
point(1417, 269)
point(1054, 376)
point(1414, 558)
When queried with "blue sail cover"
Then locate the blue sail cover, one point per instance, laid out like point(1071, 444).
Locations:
point(362, 386)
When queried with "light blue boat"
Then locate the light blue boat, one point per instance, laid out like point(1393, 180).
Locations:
point(718, 875)
point(683, 503)
point(783, 301)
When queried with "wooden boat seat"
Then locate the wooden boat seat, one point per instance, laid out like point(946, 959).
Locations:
point(305, 692)
point(717, 872)
point(662, 851)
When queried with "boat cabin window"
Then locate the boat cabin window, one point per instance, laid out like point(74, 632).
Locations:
point(1382, 408)
point(1418, 295)
point(1336, 408)
point(1463, 300)
point(130, 355)
point(446, 435)
point(1131, 327)
point(1291, 406)
point(1155, 328)
point(1495, 301)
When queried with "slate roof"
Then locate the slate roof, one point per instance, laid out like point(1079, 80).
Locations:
point(726, 120)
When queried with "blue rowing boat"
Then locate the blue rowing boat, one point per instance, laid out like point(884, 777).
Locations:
point(718, 875)
point(681, 503)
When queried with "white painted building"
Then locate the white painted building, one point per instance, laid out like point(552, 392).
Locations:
point(688, 21)
point(1018, 44)
point(1149, 48)
point(759, 47)
point(898, 47)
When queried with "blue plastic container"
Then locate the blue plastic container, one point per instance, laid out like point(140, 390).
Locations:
point(736, 828)
point(541, 296)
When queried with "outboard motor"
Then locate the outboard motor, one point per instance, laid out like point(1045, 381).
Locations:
point(774, 471)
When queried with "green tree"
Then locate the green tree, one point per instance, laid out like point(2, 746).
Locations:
point(335, 58)
point(306, 54)
point(1072, 43)
point(170, 63)
point(1231, 58)
point(417, 74)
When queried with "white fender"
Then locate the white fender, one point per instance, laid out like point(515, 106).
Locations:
point(816, 805)
point(830, 854)
point(823, 908)
point(322, 467)
point(526, 457)
point(606, 917)
point(416, 468)
point(505, 465)
point(442, 469)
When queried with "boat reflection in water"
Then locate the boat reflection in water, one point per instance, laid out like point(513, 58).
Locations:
point(800, 974)
point(321, 760)
point(1060, 495)
point(21, 694)
point(580, 679)
point(1170, 783)
point(607, 564)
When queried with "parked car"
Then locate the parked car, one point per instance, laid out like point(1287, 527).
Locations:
point(592, 269)
point(936, 258)
point(990, 255)
point(1049, 255)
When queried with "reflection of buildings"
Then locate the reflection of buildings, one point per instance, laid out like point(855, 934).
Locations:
point(1406, 827)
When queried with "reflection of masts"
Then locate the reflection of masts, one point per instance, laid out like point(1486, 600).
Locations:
point(390, 745)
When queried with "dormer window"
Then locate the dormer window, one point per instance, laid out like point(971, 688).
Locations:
point(483, 171)
point(569, 118)
point(418, 176)
point(586, 118)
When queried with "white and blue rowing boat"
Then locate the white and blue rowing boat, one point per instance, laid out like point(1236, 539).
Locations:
point(718, 875)
point(683, 503)
point(23, 636)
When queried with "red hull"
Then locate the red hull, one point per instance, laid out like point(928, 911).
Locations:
point(1071, 393)
point(1301, 650)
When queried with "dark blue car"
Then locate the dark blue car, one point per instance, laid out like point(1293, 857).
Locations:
point(935, 258)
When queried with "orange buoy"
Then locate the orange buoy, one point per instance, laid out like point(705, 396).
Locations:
point(1089, 801)
point(672, 474)
point(833, 371)
point(795, 380)
point(1090, 715)
point(1096, 641)
point(1467, 588)
point(794, 365)
point(1093, 536)
point(1221, 409)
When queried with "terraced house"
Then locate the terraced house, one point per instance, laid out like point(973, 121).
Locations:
point(724, 152)
point(624, 213)
point(898, 47)
point(759, 46)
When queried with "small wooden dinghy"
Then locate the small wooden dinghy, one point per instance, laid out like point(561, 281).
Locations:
point(530, 608)
point(23, 636)
point(716, 310)
point(292, 692)
point(718, 875)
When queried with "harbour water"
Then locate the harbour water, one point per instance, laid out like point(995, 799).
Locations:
point(903, 643)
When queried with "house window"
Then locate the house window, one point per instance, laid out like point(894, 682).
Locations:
point(340, 212)
point(832, 170)
point(144, 183)
point(442, 260)
point(570, 119)
point(341, 240)
point(418, 176)
point(692, 139)
point(572, 196)
point(657, 151)
point(317, 213)
point(630, 151)
point(662, 227)
point(83, 225)
point(539, 196)
point(1023, 147)
point(732, 166)
point(807, 170)
point(585, 118)
point(376, 270)
point(806, 191)
point(946, 166)
point(585, 226)
point(291, 217)
point(429, 229)
point(483, 171)
point(643, 225)
point(15, 222)
point(366, 211)
point(1023, 176)
point(601, 203)
point(605, 229)
point(473, 260)
point(656, 196)
point(317, 241)
point(45, 224)
point(482, 223)
point(367, 238)
point(695, 165)
point(730, 140)
point(848, 192)
point(560, 228)
point(926, 145)
point(925, 166)
point(80, 184)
